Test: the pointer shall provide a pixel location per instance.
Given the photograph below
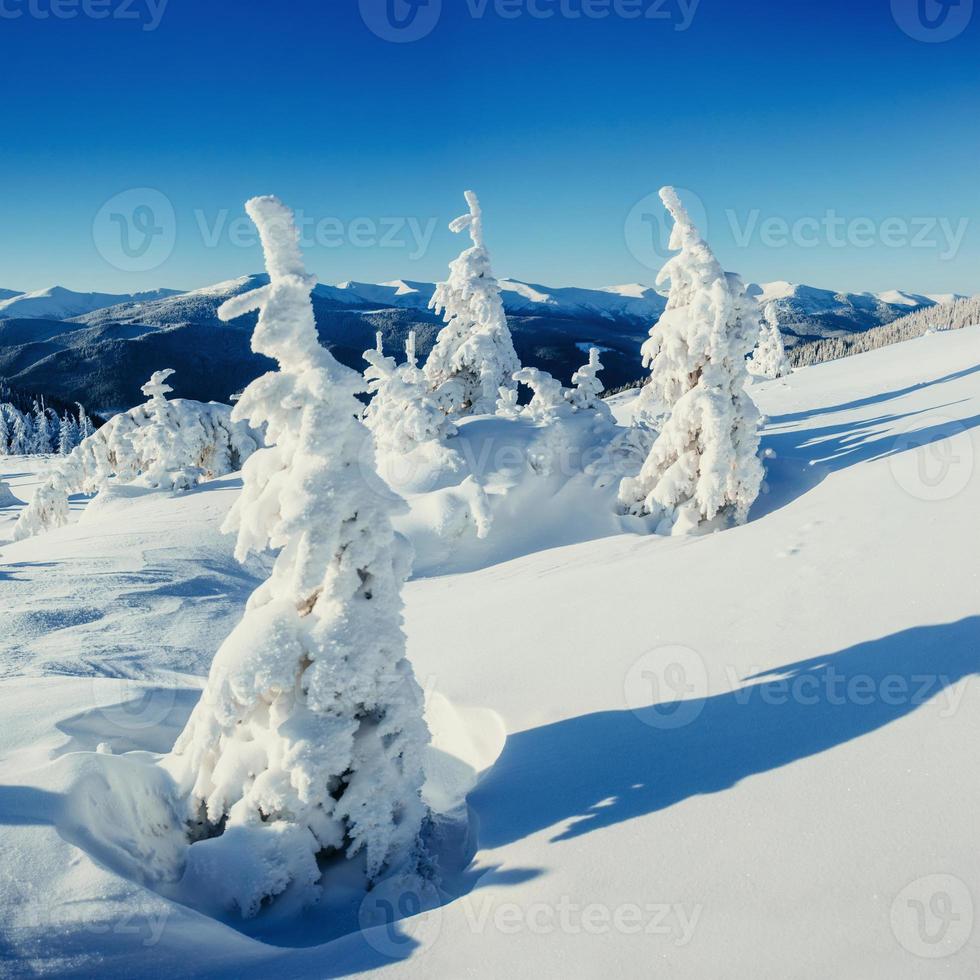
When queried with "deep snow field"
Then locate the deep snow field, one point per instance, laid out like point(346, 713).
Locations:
point(750, 754)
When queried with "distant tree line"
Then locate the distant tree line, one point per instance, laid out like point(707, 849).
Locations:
point(945, 316)
point(31, 425)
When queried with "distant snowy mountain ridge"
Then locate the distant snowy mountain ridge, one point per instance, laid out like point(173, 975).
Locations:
point(58, 303)
point(798, 305)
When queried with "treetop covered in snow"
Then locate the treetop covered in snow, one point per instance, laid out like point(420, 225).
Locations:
point(308, 739)
point(704, 461)
point(474, 356)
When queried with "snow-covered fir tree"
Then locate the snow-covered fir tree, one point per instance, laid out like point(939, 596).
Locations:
point(42, 442)
point(403, 415)
point(769, 359)
point(85, 427)
point(5, 433)
point(704, 463)
point(196, 442)
point(474, 356)
point(21, 435)
point(67, 435)
point(48, 508)
point(308, 739)
point(548, 400)
point(167, 445)
point(588, 388)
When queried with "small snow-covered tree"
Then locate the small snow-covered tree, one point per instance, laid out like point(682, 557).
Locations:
point(507, 406)
point(85, 427)
point(166, 445)
point(308, 739)
point(48, 508)
point(67, 435)
point(473, 357)
point(704, 462)
point(4, 431)
point(403, 415)
point(129, 448)
point(42, 441)
point(769, 359)
point(588, 388)
point(22, 435)
point(548, 401)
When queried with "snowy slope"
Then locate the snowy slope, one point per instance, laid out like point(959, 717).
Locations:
point(58, 303)
point(817, 778)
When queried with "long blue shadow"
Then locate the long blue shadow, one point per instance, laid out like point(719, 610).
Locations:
point(601, 769)
point(805, 457)
point(875, 399)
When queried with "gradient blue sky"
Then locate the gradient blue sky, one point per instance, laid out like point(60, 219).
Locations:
point(784, 110)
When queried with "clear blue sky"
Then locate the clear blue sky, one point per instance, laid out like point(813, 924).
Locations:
point(778, 109)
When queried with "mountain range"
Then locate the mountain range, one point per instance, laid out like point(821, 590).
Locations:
point(99, 347)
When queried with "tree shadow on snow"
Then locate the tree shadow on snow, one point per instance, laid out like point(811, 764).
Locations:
point(805, 457)
point(597, 770)
point(875, 399)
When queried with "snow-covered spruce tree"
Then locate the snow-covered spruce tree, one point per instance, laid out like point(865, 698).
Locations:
point(21, 435)
point(473, 357)
point(170, 445)
point(588, 388)
point(85, 427)
point(4, 431)
point(308, 739)
point(48, 508)
point(67, 435)
point(199, 442)
point(403, 415)
point(769, 359)
point(548, 401)
point(704, 462)
point(41, 443)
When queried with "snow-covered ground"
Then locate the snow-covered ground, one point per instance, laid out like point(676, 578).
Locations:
point(750, 754)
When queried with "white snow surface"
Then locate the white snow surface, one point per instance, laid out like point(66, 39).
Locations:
point(749, 829)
